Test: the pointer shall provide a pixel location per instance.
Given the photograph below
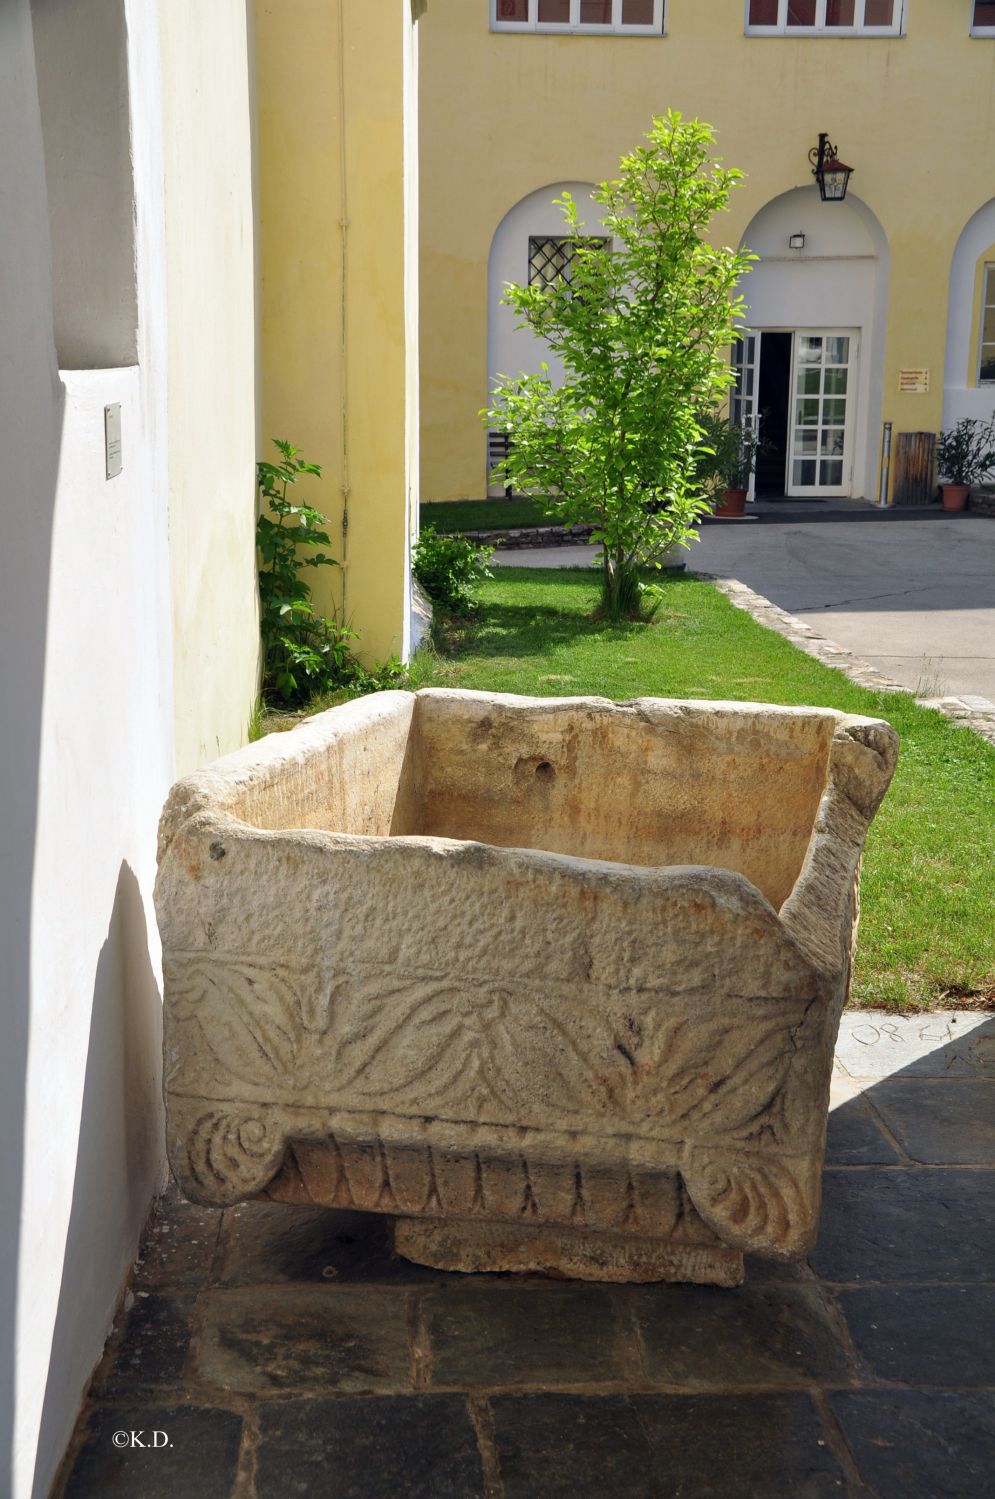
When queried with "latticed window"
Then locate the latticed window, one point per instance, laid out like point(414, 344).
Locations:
point(551, 260)
point(631, 17)
point(825, 17)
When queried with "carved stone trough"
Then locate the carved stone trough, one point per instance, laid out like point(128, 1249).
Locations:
point(555, 983)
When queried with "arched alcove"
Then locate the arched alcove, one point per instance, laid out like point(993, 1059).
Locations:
point(963, 395)
point(512, 350)
point(822, 275)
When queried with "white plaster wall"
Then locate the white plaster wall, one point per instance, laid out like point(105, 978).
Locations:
point(210, 258)
point(839, 281)
point(81, 56)
point(961, 399)
point(513, 350)
point(86, 757)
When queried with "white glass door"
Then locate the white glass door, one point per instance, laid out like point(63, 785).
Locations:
point(743, 399)
point(823, 386)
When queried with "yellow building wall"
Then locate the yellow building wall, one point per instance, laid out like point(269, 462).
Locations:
point(503, 115)
point(337, 122)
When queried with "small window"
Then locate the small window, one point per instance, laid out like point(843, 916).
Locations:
point(827, 17)
point(986, 364)
point(551, 260)
point(983, 20)
point(597, 17)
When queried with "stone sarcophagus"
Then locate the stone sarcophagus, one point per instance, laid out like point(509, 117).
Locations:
point(553, 982)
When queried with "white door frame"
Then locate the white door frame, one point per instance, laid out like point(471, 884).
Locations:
point(845, 488)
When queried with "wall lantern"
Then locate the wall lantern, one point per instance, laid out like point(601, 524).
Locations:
point(796, 242)
point(832, 175)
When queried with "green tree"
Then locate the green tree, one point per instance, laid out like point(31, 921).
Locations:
point(642, 327)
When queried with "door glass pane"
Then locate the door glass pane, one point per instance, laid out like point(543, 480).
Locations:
point(554, 12)
point(879, 12)
point(805, 472)
point(834, 413)
point(807, 413)
point(637, 13)
point(835, 382)
point(801, 12)
point(987, 363)
point(839, 12)
point(831, 472)
point(988, 331)
point(595, 12)
point(809, 382)
point(806, 440)
point(513, 10)
point(837, 351)
point(831, 442)
point(809, 349)
point(984, 13)
point(764, 12)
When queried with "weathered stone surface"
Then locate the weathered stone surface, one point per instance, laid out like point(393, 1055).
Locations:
point(555, 962)
point(899, 1224)
point(299, 1338)
point(913, 1444)
point(950, 1123)
point(195, 1453)
point(931, 1335)
point(951, 1043)
point(421, 1447)
point(767, 1335)
point(468, 1247)
point(763, 1446)
point(514, 1335)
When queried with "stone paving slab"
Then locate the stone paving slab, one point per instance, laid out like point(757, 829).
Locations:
point(295, 1338)
point(421, 1447)
point(897, 1224)
point(285, 1352)
point(929, 1335)
point(913, 1445)
point(949, 1043)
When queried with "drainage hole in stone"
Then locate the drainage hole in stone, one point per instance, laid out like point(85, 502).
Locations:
point(544, 771)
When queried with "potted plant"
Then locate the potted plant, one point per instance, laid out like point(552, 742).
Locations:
point(965, 455)
point(729, 455)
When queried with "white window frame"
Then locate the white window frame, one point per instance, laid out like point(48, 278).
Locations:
point(575, 28)
point(897, 28)
point(980, 30)
point(987, 290)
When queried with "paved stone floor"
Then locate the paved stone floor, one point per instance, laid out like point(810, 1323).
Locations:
point(282, 1351)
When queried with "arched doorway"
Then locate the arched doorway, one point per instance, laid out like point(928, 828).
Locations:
point(969, 378)
point(811, 367)
point(529, 243)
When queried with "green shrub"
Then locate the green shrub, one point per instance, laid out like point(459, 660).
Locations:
point(304, 653)
point(450, 569)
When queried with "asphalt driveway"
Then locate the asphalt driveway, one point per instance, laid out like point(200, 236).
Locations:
point(915, 598)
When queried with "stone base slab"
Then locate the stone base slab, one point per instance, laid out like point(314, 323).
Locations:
point(473, 1247)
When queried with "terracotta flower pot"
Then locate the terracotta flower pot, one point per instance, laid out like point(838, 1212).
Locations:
point(954, 496)
point(733, 503)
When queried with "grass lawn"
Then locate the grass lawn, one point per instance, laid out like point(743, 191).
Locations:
point(485, 515)
point(927, 934)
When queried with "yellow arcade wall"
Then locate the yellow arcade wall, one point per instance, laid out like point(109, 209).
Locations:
point(337, 185)
point(503, 115)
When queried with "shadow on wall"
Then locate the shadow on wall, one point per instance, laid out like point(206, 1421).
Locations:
point(31, 419)
point(30, 476)
point(120, 1104)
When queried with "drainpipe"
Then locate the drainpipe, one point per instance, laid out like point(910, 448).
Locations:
point(344, 331)
point(885, 465)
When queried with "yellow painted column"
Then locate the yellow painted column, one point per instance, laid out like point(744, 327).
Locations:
point(337, 122)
